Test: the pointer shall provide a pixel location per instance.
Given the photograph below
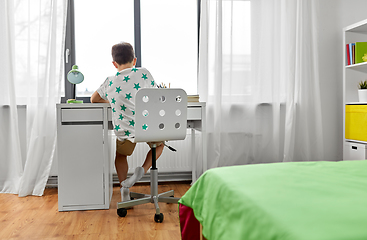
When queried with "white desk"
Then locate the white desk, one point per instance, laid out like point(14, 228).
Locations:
point(196, 120)
point(84, 163)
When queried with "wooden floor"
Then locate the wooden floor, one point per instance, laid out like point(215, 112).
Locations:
point(38, 218)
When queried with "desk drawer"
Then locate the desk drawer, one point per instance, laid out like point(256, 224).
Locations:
point(81, 115)
point(194, 113)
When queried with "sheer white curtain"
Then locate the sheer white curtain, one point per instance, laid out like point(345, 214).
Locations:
point(31, 65)
point(259, 77)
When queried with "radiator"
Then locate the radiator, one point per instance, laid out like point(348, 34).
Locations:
point(169, 161)
point(172, 166)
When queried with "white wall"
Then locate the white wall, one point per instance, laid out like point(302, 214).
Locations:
point(333, 16)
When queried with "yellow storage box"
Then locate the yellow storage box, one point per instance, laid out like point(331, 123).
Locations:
point(356, 122)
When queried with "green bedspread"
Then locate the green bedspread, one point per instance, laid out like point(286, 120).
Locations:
point(294, 200)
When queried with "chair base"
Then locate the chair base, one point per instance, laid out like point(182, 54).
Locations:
point(154, 197)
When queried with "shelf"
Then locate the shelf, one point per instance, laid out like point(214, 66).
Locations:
point(356, 103)
point(354, 141)
point(362, 67)
point(357, 27)
point(353, 116)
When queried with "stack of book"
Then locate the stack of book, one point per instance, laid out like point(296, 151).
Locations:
point(355, 52)
point(193, 98)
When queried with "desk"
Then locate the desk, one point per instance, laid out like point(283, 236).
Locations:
point(84, 162)
point(196, 120)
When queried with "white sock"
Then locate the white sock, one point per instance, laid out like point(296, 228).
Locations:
point(125, 194)
point(138, 174)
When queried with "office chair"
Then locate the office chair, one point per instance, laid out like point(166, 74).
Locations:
point(160, 115)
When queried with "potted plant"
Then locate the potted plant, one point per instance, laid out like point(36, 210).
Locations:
point(362, 91)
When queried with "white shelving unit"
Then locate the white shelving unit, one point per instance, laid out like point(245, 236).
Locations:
point(352, 75)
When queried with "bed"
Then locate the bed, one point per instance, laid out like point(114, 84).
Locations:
point(294, 200)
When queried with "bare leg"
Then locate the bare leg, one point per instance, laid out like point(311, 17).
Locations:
point(148, 160)
point(121, 166)
point(140, 171)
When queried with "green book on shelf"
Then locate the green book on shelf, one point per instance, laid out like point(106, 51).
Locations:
point(360, 51)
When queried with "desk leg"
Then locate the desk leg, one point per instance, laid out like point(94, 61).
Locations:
point(193, 162)
point(204, 152)
point(204, 141)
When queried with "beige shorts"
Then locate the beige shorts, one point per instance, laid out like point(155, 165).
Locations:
point(127, 147)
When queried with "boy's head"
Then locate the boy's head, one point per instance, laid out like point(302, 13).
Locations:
point(123, 53)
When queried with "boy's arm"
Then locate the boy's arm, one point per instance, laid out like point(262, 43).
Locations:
point(96, 98)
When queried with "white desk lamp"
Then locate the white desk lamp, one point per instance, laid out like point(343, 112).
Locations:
point(75, 77)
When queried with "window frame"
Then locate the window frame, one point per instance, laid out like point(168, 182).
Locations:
point(69, 50)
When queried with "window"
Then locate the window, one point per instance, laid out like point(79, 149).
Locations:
point(169, 51)
point(163, 33)
point(97, 29)
point(235, 47)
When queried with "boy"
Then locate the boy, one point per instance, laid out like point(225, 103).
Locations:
point(119, 91)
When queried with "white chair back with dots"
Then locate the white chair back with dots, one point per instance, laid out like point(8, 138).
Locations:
point(160, 114)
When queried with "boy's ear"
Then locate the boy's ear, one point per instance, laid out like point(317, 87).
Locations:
point(115, 64)
point(134, 61)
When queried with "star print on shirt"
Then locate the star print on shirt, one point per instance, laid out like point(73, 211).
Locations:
point(121, 117)
point(145, 127)
point(110, 83)
point(128, 96)
point(132, 123)
point(144, 76)
point(152, 83)
point(133, 112)
point(134, 69)
point(127, 133)
point(118, 89)
point(113, 100)
point(137, 86)
point(127, 78)
point(118, 73)
point(117, 127)
point(113, 110)
point(123, 107)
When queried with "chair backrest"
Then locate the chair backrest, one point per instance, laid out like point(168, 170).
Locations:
point(160, 114)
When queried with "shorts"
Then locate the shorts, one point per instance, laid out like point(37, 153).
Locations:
point(127, 147)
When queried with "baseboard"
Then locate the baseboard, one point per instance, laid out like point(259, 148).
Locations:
point(162, 177)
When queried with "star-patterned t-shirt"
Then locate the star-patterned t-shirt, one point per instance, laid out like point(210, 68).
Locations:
point(120, 91)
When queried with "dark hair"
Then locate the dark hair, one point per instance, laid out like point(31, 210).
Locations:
point(122, 53)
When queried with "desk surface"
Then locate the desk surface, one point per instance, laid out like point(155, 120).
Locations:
point(195, 114)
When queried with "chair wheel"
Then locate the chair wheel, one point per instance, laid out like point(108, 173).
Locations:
point(158, 218)
point(121, 212)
